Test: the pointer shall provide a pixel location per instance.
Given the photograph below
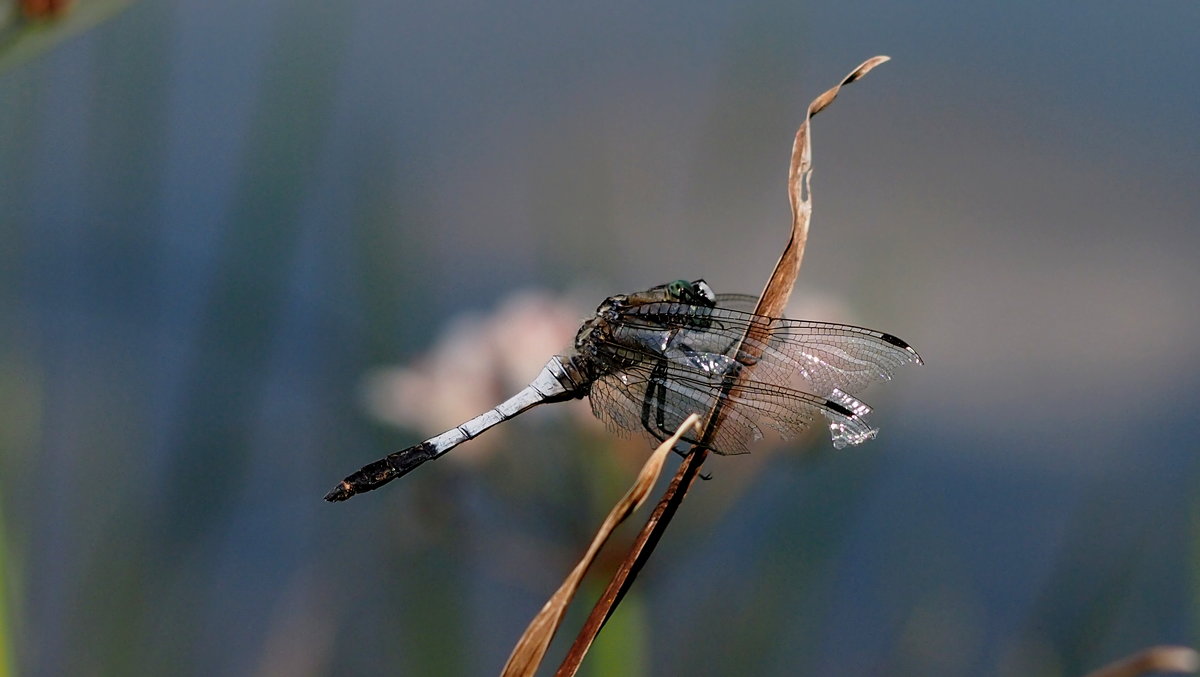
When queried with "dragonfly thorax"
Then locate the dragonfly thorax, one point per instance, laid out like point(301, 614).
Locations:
point(609, 343)
point(696, 292)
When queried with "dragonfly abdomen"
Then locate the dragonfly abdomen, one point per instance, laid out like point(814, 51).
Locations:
point(563, 378)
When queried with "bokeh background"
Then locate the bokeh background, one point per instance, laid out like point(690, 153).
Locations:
point(233, 236)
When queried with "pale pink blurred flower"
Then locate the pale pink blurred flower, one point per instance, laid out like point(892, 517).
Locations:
point(479, 361)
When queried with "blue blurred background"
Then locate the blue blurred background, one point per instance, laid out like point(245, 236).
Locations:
point(220, 218)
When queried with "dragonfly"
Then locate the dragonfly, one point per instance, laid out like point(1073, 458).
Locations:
point(649, 359)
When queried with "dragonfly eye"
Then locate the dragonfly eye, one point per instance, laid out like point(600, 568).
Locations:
point(704, 293)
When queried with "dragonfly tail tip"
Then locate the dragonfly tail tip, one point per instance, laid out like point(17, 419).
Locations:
point(340, 493)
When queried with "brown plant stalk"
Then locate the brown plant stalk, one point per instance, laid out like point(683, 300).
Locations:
point(771, 303)
point(527, 655)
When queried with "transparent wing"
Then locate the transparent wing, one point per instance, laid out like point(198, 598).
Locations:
point(830, 357)
point(743, 302)
point(656, 393)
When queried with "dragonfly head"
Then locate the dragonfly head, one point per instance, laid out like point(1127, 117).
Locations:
point(695, 293)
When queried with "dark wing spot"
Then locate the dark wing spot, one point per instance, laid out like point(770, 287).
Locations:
point(839, 409)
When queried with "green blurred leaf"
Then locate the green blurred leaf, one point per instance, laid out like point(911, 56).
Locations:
point(22, 39)
point(6, 656)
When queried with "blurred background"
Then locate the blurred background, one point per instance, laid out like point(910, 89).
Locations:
point(238, 237)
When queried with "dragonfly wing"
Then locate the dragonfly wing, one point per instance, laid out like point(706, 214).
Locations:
point(653, 399)
point(617, 401)
point(743, 302)
point(655, 394)
point(833, 357)
point(828, 356)
point(789, 412)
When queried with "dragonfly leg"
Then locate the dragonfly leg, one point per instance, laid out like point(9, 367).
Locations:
point(654, 403)
point(683, 453)
point(660, 411)
point(656, 399)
